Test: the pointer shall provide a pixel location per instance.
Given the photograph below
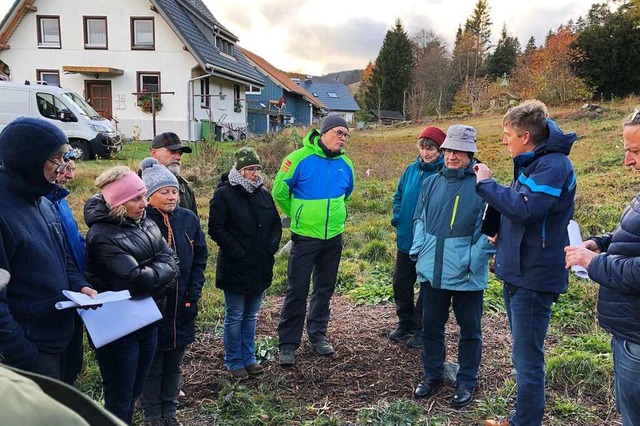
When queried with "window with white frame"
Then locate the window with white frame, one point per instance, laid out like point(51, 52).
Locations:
point(252, 90)
point(51, 77)
point(95, 32)
point(148, 81)
point(49, 32)
point(205, 100)
point(142, 33)
point(332, 94)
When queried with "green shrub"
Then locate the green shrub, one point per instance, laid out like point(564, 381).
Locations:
point(580, 372)
point(376, 251)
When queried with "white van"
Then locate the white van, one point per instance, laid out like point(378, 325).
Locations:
point(90, 134)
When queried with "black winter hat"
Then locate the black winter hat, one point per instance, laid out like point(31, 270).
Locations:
point(332, 120)
point(26, 144)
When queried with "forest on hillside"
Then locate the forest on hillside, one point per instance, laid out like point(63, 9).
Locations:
point(589, 58)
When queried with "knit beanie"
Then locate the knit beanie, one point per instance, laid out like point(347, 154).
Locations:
point(246, 157)
point(436, 134)
point(332, 120)
point(25, 145)
point(122, 190)
point(156, 176)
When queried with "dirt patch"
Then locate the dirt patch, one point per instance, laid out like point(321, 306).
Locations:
point(366, 368)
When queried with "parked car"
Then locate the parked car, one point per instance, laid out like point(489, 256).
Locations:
point(90, 134)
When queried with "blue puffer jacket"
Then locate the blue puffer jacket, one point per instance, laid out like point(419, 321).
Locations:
point(73, 237)
point(406, 198)
point(536, 210)
point(617, 270)
point(451, 252)
point(178, 326)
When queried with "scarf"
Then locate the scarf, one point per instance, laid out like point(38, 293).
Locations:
point(236, 178)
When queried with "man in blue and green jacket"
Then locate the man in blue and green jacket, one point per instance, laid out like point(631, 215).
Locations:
point(536, 209)
point(452, 265)
point(312, 187)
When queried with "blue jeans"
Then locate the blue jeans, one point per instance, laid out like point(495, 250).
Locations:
point(160, 393)
point(467, 307)
point(124, 365)
point(529, 313)
point(241, 311)
point(626, 368)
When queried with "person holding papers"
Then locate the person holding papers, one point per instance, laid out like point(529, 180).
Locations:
point(181, 228)
point(126, 251)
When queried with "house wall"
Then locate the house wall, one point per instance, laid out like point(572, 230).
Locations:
point(169, 58)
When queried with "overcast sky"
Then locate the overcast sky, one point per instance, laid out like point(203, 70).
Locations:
point(321, 36)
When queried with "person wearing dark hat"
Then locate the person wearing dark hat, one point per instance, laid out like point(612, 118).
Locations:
point(33, 334)
point(536, 209)
point(429, 162)
point(452, 264)
point(181, 229)
point(167, 149)
point(312, 188)
point(126, 251)
point(244, 222)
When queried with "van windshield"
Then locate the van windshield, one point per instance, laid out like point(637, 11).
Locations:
point(84, 107)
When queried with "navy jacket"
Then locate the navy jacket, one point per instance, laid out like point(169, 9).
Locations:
point(32, 248)
point(406, 198)
point(178, 326)
point(246, 226)
point(617, 270)
point(536, 210)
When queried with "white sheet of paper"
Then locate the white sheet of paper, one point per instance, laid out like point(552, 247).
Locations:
point(117, 319)
point(575, 239)
point(79, 299)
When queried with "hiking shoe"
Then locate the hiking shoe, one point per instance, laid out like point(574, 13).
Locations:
point(415, 341)
point(240, 373)
point(172, 421)
point(254, 369)
point(399, 335)
point(322, 347)
point(287, 356)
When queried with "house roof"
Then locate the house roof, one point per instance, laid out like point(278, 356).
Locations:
point(281, 78)
point(334, 95)
point(13, 18)
point(388, 115)
point(184, 16)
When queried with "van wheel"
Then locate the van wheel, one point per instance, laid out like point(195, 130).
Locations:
point(81, 150)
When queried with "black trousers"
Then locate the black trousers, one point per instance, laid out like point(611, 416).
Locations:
point(320, 258)
point(404, 279)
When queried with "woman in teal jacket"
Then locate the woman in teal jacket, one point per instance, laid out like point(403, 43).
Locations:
point(429, 161)
point(452, 265)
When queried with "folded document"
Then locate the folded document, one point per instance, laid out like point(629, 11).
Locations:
point(77, 300)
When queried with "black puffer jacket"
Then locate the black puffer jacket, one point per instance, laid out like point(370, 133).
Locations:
point(126, 255)
point(617, 270)
point(247, 228)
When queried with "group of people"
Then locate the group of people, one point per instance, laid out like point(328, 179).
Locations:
point(451, 217)
point(145, 236)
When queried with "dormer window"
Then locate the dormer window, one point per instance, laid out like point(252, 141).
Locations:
point(225, 46)
point(49, 32)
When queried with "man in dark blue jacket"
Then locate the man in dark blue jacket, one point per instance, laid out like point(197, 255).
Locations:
point(33, 334)
point(536, 209)
point(613, 261)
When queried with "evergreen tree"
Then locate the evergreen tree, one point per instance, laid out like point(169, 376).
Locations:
point(610, 41)
point(392, 74)
point(503, 60)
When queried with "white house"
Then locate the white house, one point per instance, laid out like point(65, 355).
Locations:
point(108, 51)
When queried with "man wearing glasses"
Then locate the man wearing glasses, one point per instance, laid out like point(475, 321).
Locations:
point(33, 334)
point(613, 261)
point(312, 187)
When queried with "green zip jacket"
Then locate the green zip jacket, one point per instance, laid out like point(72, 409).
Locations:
point(312, 189)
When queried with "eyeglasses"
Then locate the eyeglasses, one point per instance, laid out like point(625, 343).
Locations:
point(635, 116)
point(62, 167)
point(253, 169)
point(342, 134)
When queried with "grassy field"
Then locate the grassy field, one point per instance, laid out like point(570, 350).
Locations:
point(579, 366)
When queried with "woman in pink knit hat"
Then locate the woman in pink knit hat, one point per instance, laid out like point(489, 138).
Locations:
point(428, 162)
point(126, 251)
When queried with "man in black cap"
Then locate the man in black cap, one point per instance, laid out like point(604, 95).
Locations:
point(167, 148)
